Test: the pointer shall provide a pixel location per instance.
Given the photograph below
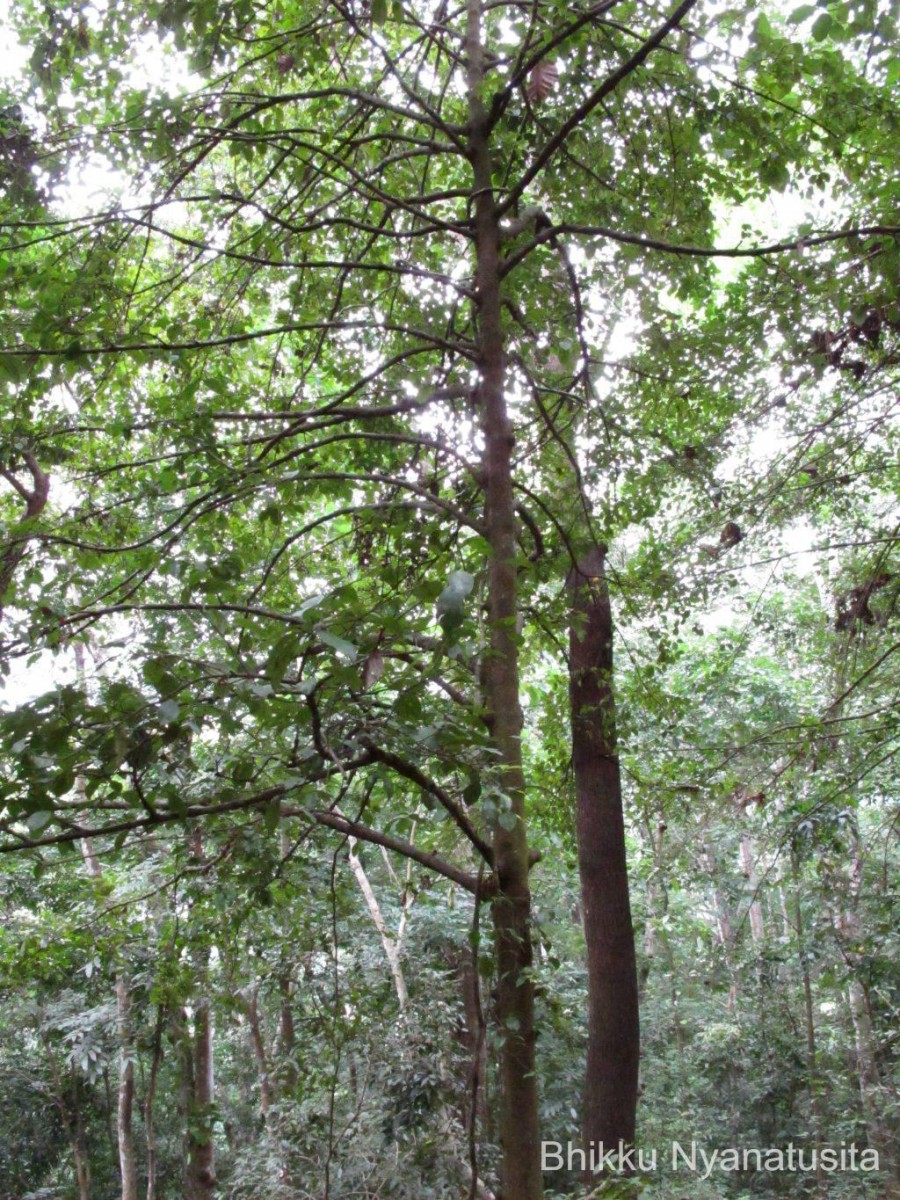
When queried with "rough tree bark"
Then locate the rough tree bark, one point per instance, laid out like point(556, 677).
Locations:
point(611, 1081)
point(518, 1117)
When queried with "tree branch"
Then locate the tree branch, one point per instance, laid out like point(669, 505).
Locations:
point(588, 105)
point(426, 858)
point(635, 239)
point(411, 772)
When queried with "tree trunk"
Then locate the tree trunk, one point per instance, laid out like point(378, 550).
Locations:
point(518, 1117)
point(201, 1180)
point(258, 1045)
point(724, 930)
point(125, 1105)
point(812, 1053)
point(391, 944)
point(79, 1150)
point(287, 1040)
point(748, 868)
point(125, 1097)
point(149, 1099)
point(611, 1083)
point(198, 1090)
point(876, 1104)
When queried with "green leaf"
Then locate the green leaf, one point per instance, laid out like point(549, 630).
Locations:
point(169, 711)
point(344, 648)
point(272, 815)
point(452, 598)
point(282, 654)
point(243, 770)
point(13, 368)
point(763, 29)
point(472, 790)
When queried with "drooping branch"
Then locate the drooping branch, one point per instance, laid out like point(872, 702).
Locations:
point(458, 815)
point(235, 339)
point(431, 859)
point(806, 242)
point(75, 832)
point(427, 858)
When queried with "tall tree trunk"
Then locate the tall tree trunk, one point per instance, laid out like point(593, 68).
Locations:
point(518, 1118)
point(517, 1126)
point(125, 1105)
point(79, 1148)
point(748, 868)
point(287, 1039)
point(125, 1097)
point(286, 1047)
point(812, 1053)
point(181, 1039)
point(876, 1103)
point(258, 1045)
point(201, 1178)
point(611, 1082)
point(149, 1100)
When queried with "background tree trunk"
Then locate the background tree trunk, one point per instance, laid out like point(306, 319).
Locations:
point(70, 1119)
point(258, 1045)
point(812, 1051)
point(200, 1177)
point(201, 1181)
point(125, 1105)
point(149, 1100)
point(875, 1100)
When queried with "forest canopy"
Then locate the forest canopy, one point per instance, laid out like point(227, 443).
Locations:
point(449, 582)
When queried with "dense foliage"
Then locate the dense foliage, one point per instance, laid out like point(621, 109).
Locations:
point(266, 270)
